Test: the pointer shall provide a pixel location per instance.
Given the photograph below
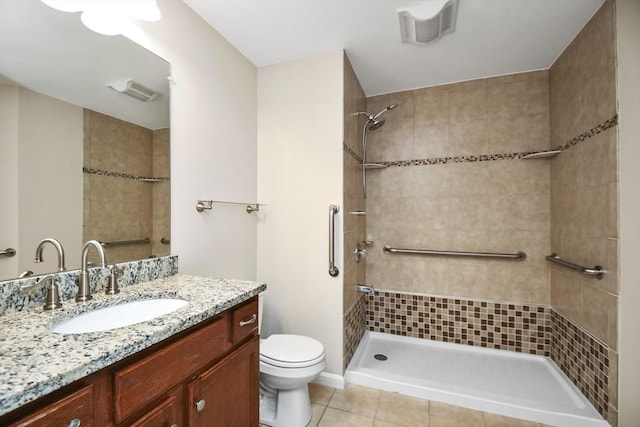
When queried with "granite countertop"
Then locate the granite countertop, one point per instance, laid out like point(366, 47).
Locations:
point(35, 361)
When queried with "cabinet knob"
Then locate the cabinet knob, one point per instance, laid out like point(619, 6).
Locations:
point(249, 321)
point(200, 405)
point(74, 423)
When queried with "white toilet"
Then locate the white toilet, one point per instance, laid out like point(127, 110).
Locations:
point(288, 363)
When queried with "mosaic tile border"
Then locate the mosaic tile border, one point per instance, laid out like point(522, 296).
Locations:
point(92, 171)
point(516, 327)
point(584, 359)
point(354, 327)
point(351, 152)
point(613, 121)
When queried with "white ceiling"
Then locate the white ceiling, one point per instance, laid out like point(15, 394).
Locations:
point(53, 53)
point(492, 37)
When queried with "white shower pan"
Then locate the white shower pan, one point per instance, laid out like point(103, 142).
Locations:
point(503, 382)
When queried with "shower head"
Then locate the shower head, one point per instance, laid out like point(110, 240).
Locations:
point(372, 121)
point(374, 124)
point(390, 107)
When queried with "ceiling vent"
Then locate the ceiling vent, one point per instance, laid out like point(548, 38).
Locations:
point(428, 22)
point(134, 89)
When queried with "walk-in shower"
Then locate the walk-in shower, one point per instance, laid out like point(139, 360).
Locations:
point(372, 124)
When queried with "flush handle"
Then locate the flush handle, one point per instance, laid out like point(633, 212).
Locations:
point(249, 321)
point(200, 405)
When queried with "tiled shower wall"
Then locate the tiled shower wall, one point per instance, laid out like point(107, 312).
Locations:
point(584, 201)
point(461, 187)
point(117, 203)
point(354, 225)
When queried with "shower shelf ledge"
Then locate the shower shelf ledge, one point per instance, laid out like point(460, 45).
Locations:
point(375, 166)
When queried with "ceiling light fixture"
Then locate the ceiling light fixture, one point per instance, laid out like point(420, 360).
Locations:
point(427, 22)
point(107, 16)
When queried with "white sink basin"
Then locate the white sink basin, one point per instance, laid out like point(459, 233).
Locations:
point(118, 316)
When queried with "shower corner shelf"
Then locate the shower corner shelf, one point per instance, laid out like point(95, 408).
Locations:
point(374, 166)
point(541, 155)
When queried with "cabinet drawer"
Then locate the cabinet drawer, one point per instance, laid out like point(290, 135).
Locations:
point(141, 382)
point(74, 410)
point(245, 320)
point(162, 415)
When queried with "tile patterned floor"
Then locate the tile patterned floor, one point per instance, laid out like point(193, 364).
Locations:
point(358, 406)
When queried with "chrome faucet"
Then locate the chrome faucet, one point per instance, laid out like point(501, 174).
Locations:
point(57, 245)
point(84, 288)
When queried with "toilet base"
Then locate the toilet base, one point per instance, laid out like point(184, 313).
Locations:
point(289, 408)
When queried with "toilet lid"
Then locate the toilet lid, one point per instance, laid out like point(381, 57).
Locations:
point(291, 350)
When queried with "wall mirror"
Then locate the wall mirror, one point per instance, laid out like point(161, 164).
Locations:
point(84, 141)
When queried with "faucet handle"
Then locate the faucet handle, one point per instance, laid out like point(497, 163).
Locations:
point(52, 298)
point(112, 287)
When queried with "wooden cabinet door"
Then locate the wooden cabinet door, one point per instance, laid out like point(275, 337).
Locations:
point(227, 395)
point(163, 415)
point(75, 410)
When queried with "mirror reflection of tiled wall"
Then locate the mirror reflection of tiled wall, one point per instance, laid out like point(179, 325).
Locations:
point(126, 187)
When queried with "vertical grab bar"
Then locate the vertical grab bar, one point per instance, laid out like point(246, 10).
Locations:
point(333, 270)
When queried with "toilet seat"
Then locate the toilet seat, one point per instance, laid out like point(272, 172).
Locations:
point(291, 351)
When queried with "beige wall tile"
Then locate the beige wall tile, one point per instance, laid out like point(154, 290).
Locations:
point(595, 316)
point(469, 137)
point(566, 294)
point(431, 141)
point(459, 206)
point(431, 107)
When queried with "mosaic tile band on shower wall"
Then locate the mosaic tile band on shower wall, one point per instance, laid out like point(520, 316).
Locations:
point(123, 175)
point(355, 322)
point(584, 359)
point(516, 327)
point(613, 121)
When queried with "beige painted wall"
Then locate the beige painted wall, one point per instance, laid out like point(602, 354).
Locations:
point(486, 206)
point(50, 196)
point(628, 57)
point(8, 177)
point(213, 142)
point(300, 175)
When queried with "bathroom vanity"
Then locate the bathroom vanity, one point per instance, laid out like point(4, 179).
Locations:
point(198, 365)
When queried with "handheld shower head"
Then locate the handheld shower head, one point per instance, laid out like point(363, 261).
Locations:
point(374, 125)
point(390, 107)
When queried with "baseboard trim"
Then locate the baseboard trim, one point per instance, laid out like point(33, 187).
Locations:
point(330, 380)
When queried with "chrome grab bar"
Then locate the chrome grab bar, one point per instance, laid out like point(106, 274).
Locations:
point(333, 270)
point(202, 205)
point(517, 256)
point(126, 242)
point(597, 271)
point(9, 252)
